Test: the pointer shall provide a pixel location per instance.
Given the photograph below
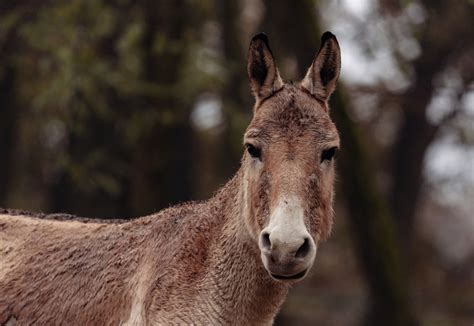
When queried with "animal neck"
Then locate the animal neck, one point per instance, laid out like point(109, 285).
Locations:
point(216, 275)
point(243, 290)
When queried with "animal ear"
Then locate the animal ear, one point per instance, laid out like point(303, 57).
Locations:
point(321, 78)
point(261, 67)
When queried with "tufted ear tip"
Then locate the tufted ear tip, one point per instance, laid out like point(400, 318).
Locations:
point(326, 36)
point(260, 36)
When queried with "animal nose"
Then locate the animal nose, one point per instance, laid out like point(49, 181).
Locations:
point(282, 250)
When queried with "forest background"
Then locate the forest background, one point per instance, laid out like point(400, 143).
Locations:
point(116, 109)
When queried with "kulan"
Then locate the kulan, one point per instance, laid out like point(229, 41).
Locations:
point(227, 260)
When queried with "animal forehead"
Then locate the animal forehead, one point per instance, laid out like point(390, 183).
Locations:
point(292, 113)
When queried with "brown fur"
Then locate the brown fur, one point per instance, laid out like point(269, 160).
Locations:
point(57, 272)
point(289, 122)
point(194, 263)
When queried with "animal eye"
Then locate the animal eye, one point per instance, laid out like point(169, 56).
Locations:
point(253, 151)
point(328, 154)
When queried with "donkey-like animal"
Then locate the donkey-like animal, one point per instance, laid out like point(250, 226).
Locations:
point(227, 260)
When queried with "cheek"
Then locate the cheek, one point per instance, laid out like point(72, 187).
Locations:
point(261, 200)
point(257, 200)
point(320, 191)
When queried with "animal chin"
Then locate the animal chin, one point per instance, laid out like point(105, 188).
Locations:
point(295, 277)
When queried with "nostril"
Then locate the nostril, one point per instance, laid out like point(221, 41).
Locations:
point(303, 250)
point(266, 240)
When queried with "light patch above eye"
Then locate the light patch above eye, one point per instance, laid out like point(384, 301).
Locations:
point(253, 133)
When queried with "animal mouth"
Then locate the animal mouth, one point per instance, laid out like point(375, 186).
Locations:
point(292, 277)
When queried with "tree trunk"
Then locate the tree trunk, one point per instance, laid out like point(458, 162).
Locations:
point(8, 117)
point(164, 159)
point(373, 224)
point(442, 40)
point(235, 92)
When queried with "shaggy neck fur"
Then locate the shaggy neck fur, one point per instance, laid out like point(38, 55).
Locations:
point(231, 286)
point(192, 264)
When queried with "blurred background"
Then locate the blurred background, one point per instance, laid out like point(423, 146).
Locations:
point(120, 108)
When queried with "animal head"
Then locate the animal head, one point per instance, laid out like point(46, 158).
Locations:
point(289, 160)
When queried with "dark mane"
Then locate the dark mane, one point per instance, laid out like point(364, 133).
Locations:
point(59, 216)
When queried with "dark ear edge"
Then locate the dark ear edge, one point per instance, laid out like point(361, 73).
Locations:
point(322, 75)
point(261, 68)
